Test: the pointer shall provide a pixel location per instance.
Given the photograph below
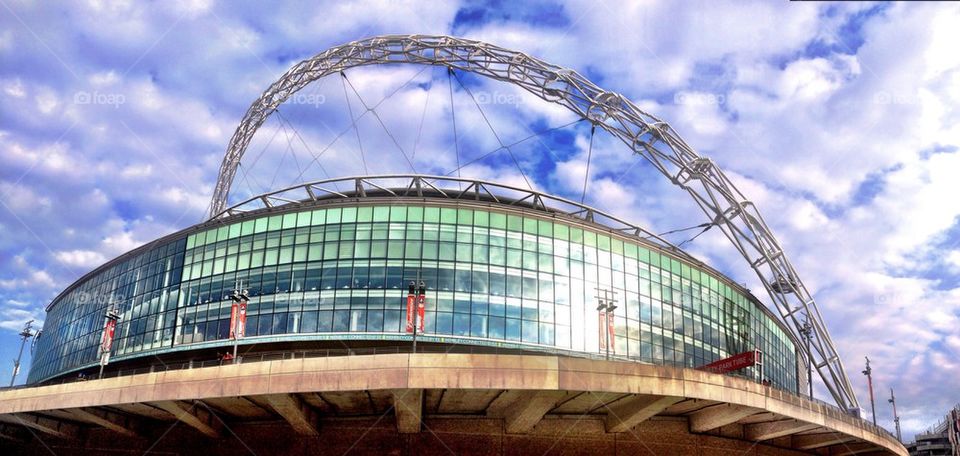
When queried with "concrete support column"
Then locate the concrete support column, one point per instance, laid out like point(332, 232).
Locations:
point(625, 414)
point(521, 416)
point(302, 417)
point(408, 408)
point(717, 416)
point(107, 419)
point(775, 429)
point(50, 426)
point(813, 441)
point(193, 415)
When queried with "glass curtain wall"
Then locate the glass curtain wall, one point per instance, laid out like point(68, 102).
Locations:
point(514, 278)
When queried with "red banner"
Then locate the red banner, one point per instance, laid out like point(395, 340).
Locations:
point(421, 310)
point(732, 363)
point(233, 320)
point(106, 342)
point(238, 320)
point(242, 320)
point(603, 334)
point(410, 302)
point(612, 333)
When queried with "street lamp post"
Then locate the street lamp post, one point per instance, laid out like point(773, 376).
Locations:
point(807, 332)
point(869, 373)
point(24, 335)
point(896, 417)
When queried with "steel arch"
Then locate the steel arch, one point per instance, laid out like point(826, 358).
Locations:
point(644, 133)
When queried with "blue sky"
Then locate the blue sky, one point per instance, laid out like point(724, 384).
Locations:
point(839, 121)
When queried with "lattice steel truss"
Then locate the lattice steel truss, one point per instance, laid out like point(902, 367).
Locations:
point(642, 132)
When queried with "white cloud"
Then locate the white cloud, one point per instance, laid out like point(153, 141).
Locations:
point(13, 319)
point(25, 276)
point(953, 259)
point(85, 259)
point(14, 88)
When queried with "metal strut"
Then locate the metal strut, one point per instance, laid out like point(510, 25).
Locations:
point(644, 133)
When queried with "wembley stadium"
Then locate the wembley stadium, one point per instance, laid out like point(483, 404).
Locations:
point(443, 313)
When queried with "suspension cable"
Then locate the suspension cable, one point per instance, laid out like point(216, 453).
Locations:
point(293, 152)
point(423, 116)
point(283, 159)
point(534, 135)
point(316, 158)
point(586, 173)
point(702, 225)
point(709, 225)
point(353, 122)
point(247, 180)
point(494, 131)
point(265, 147)
point(380, 121)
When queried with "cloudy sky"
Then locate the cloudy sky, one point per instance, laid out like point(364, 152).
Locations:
point(840, 121)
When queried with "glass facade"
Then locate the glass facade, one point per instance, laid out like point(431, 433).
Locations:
point(496, 275)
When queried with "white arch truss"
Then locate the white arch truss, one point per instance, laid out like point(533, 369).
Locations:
point(643, 133)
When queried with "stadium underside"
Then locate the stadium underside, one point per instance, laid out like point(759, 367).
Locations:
point(429, 404)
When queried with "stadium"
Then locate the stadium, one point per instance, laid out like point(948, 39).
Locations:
point(438, 314)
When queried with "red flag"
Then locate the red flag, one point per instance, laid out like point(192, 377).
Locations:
point(421, 310)
point(410, 302)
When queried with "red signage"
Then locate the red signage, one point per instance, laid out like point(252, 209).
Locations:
point(410, 302)
point(732, 363)
point(421, 310)
point(238, 320)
